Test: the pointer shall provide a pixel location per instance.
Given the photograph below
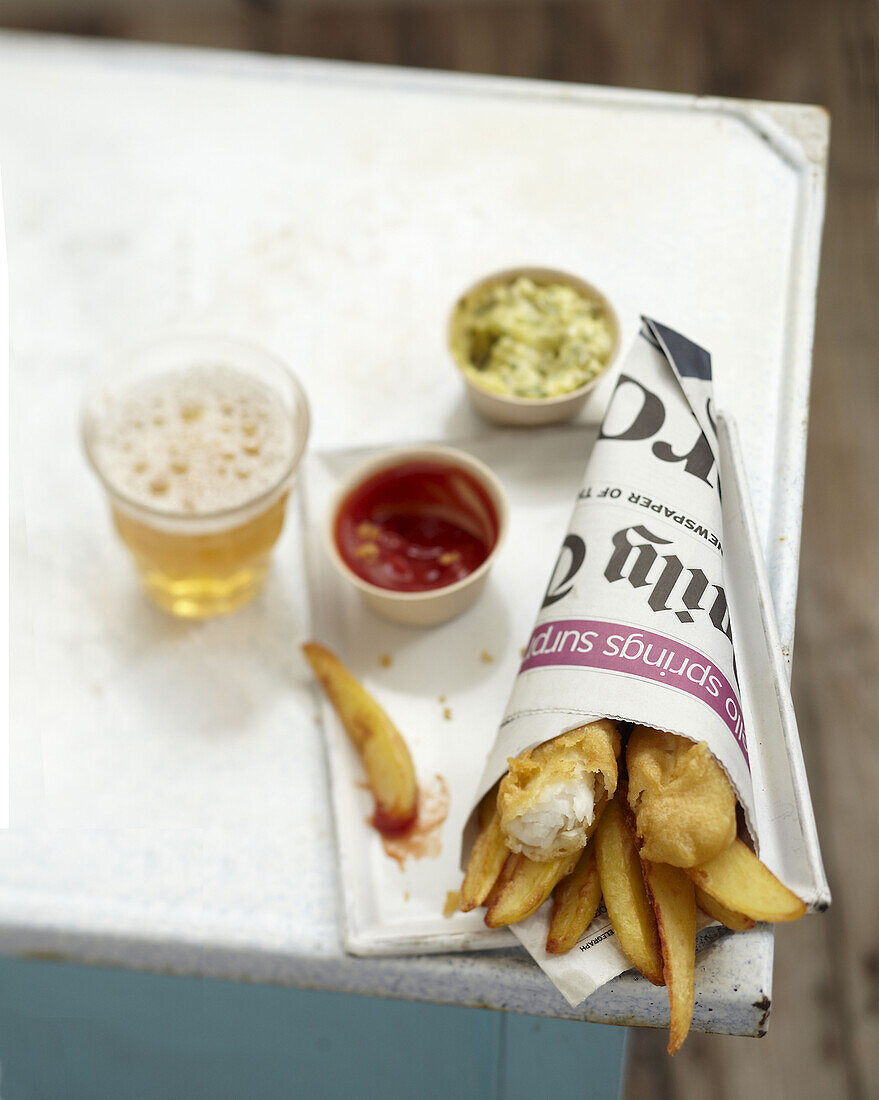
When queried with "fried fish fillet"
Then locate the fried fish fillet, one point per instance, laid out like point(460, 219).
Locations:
point(550, 798)
point(684, 805)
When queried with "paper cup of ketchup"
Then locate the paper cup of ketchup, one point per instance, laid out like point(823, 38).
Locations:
point(416, 529)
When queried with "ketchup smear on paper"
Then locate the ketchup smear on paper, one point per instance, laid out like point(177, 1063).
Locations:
point(423, 839)
point(419, 837)
point(390, 826)
point(416, 526)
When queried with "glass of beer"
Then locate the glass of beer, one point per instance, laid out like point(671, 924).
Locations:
point(197, 441)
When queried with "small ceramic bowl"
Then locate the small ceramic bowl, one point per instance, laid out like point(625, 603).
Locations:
point(435, 605)
point(527, 411)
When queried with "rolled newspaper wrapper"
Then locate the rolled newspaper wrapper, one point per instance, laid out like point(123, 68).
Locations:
point(635, 624)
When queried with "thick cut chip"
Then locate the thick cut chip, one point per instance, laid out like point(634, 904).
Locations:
point(625, 896)
point(384, 753)
point(738, 922)
point(550, 797)
point(523, 886)
point(487, 856)
point(674, 905)
point(684, 805)
point(740, 882)
point(575, 903)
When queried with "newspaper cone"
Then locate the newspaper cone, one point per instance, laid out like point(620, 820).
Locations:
point(635, 623)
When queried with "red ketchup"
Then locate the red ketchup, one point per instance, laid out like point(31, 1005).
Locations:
point(417, 526)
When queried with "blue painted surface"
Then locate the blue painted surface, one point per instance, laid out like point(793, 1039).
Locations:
point(559, 1059)
point(82, 1033)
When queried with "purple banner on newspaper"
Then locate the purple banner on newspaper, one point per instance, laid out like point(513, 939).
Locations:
point(616, 647)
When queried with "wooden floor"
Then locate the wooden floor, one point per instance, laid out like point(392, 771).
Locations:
point(824, 1038)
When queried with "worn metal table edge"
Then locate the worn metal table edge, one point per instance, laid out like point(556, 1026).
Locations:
point(799, 134)
point(515, 985)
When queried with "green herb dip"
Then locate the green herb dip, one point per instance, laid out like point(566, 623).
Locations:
point(528, 339)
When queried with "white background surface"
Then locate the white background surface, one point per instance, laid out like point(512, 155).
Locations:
point(168, 792)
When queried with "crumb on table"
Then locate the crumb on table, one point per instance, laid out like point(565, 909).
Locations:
point(447, 712)
point(453, 903)
point(386, 660)
point(486, 657)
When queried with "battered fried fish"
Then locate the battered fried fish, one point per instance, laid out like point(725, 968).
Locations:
point(550, 799)
point(684, 805)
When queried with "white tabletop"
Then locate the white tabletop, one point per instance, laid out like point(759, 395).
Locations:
point(330, 213)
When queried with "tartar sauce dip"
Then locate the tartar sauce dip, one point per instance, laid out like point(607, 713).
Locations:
point(528, 339)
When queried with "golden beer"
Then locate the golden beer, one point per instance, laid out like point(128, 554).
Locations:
point(198, 453)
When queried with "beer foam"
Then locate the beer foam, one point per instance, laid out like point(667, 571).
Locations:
point(195, 442)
